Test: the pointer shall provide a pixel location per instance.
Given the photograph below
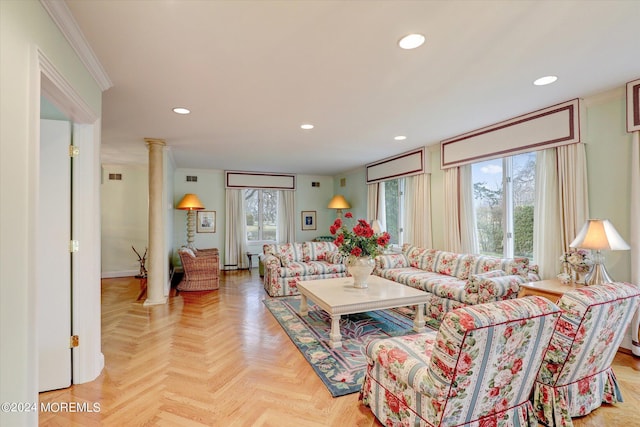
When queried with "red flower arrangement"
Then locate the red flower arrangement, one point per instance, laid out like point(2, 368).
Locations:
point(361, 240)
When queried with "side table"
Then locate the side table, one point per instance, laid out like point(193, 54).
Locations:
point(551, 289)
point(250, 256)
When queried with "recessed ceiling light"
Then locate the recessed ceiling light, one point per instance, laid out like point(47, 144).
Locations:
point(546, 80)
point(411, 41)
point(181, 110)
point(306, 126)
point(400, 138)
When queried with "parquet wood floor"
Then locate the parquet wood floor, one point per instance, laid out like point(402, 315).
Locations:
point(220, 359)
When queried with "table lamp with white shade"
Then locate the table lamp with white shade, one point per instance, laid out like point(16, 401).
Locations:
point(599, 234)
point(339, 203)
point(190, 203)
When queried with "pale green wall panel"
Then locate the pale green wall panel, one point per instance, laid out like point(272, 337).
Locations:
point(609, 172)
point(125, 218)
point(24, 27)
point(310, 198)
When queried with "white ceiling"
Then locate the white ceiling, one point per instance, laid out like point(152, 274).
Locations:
point(253, 71)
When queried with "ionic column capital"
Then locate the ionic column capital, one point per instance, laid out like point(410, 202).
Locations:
point(149, 142)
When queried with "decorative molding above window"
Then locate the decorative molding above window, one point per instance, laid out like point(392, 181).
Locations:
point(633, 106)
point(272, 181)
point(550, 127)
point(410, 163)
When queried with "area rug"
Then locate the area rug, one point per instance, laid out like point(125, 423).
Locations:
point(340, 369)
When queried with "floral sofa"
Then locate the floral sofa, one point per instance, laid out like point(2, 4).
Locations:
point(455, 280)
point(286, 264)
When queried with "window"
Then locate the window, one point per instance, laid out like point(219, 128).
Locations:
point(393, 194)
point(261, 211)
point(504, 195)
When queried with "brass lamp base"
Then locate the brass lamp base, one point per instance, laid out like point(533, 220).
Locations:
point(597, 275)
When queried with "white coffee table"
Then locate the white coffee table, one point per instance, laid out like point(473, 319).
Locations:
point(338, 297)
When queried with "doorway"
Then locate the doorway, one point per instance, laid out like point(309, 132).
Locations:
point(83, 309)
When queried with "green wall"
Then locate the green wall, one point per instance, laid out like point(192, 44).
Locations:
point(125, 218)
point(609, 171)
point(25, 28)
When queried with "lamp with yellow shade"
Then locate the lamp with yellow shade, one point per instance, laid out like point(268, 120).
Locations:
point(599, 234)
point(338, 203)
point(190, 203)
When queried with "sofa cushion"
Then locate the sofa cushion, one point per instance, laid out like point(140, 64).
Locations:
point(386, 261)
point(316, 251)
point(401, 275)
point(414, 254)
point(497, 288)
point(453, 264)
point(284, 259)
point(304, 270)
point(293, 251)
point(333, 257)
point(187, 251)
point(475, 279)
point(484, 263)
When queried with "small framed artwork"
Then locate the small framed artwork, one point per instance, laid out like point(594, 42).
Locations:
point(309, 220)
point(206, 222)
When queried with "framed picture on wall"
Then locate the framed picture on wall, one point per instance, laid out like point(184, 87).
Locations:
point(309, 220)
point(206, 222)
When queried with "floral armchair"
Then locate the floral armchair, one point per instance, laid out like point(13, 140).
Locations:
point(477, 369)
point(576, 375)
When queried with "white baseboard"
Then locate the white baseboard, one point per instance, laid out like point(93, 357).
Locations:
point(113, 274)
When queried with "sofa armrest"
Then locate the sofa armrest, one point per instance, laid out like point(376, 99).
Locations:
point(494, 288)
point(271, 261)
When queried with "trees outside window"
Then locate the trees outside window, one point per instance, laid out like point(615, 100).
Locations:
point(394, 209)
point(504, 196)
point(261, 211)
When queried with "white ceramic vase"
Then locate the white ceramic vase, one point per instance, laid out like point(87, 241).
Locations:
point(360, 269)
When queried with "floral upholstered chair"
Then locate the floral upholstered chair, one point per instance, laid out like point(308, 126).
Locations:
point(477, 369)
point(576, 375)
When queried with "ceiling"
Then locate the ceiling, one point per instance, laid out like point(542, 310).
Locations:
point(252, 72)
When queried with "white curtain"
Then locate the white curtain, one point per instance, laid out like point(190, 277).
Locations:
point(376, 204)
point(547, 247)
point(635, 208)
point(460, 231)
point(286, 216)
point(452, 241)
point(236, 233)
point(574, 198)
point(562, 204)
point(418, 210)
point(468, 226)
point(635, 234)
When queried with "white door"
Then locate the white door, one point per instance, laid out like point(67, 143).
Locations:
point(53, 257)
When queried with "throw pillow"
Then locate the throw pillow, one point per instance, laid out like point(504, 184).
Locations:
point(284, 260)
point(333, 257)
point(473, 285)
point(187, 251)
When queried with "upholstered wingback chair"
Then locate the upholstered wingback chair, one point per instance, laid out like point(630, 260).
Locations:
point(478, 368)
point(201, 269)
point(576, 375)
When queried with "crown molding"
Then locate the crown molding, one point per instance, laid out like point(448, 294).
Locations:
point(61, 15)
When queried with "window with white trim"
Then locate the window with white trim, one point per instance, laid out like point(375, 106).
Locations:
point(504, 196)
point(392, 192)
point(261, 212)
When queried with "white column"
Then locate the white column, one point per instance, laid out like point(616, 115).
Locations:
point(155, 274)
